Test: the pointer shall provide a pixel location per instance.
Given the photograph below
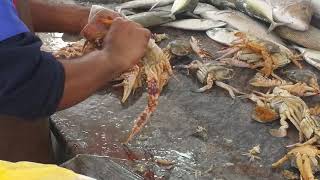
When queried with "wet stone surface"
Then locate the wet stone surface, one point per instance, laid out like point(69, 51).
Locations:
point(99, 125)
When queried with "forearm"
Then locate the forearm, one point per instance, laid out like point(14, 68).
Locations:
point(53, 17)
point(83, 77)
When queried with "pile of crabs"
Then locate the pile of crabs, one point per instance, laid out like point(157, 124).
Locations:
point(283, 102)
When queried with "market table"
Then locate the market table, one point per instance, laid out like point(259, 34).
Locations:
point(99, 125)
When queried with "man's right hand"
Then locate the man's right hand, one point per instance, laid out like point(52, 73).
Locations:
point(125, 44)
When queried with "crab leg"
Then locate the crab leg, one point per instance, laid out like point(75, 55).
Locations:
point(141, 121)
point(235, 62)
point(281, 161)
point(282, 131)
point(128, 83)
point(198, 50)
point(300, 165)
point(228, 52)
point(229, 88)
point(309, 142)
point(307, 169)
point(210, 80)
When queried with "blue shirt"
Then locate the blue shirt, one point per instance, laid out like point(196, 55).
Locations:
point(10, 23)
point(31, 81)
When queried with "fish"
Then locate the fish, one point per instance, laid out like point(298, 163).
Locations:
point(183, 6)
point(201, 7)
point(195, 24)
point(242, 22)
point(312, 57)
point(309, 39)
point(260, 9)
point(143, 4)
point(152, 18)
point(296, 14)
point(225, 36)
point(223, 4)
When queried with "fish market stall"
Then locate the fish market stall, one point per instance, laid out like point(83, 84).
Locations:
point(191, 135)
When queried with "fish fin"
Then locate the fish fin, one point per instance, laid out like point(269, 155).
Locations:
point(155, 5)
point(274, 25)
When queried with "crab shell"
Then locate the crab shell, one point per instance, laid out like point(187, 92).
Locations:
point(220, 72)
point(179, 47)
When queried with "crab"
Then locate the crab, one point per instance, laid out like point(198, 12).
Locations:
point(252, 52)
point(154, 69)
point(306, 159)
point(73, 50)
point(261, 81)
point(212, 73)
point(304, 77)
point(287, 107)
point(297, 89)
point(300, 89)
point(159, 37)
point(280, 103)
point(253, 153)
point(183, 48)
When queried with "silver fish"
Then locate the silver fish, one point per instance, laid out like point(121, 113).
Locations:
point(143, 4)
point(149, 19)
point(195, 24)
point(201, 7)
point(260, 9)
point(295, 13)
point(309, 39)
point(223, 36)
point(182, 6)
point(242, 22)
point(221, 3)
point(311, 56)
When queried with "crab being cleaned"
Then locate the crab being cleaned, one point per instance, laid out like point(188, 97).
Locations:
point(212, 73)
point(154, 69)
point(252, 52)
point(306, 159)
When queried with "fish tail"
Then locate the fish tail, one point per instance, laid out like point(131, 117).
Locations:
point(273, 25)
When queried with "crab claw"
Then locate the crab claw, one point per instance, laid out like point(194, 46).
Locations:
point(129, 83)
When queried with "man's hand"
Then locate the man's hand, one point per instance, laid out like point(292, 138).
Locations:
point(125, 44)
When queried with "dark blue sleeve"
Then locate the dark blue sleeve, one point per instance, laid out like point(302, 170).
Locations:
point(31, 81)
